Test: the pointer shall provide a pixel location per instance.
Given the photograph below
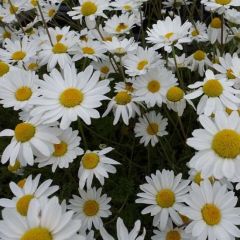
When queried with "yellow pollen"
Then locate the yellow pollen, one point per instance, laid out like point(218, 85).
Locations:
point(59, 37)
point(223, 2)
point(226, 143)
point(104, 69)
point(216, 23)
point(121, 27)
point(123, 98)
point(173, 235)
point(195, 33)
point(211, 214)
point(169, 35)
point(90, 160)
point(91, 208)
point(51, 12)
point(129, 87)
point(19, 55)
point(88, 8)
point(230, 74)
point(154, 86)
point(59, 48)
point(199, 55)
point(21, 183)
point(23, 94)
point(213, 88)
point(152, 128)
point(13, 9)
point(23, 204)
point(7, 35)
point(71, 97)
point(88, 50)
point(174, 94)
point(165, 198)
point(141, 65)
point(24, 132)
point(197, 178)
point(34, 2)
point(127, 7)
point(38, 233)
point(33, 66)
point(15, 167)
point(60, 149)
point(4, 68)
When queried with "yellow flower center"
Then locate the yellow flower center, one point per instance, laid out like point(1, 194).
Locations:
point(4, 68)
point(173, 235)
point(184, 218)
point(154, 86)
point(216, 23)
point(152, 128)
point(199, 55)
point(33, 66)
point(59, 48)
point(59, 37)
point(88, 50)
point(24, 132)
point(127, 7)
point(109, 39)
point(174, 94)
point(15, 167)
point(197, 178)
point(34, 2)
point(23, 94)
point(123, 98)
point(19, 55)
point(230, 74)
point(142, 64)
point(129, 87)
point(51, 12)
point(7, 35)
point(38, 233)
point(60, 149)
point(165, 198)
point(21, 183)
point(104, 69)
point(71, 97)
point(213, 88)
point(195, 33)
point(169, 35)
point(223, 2)
point(13, 9)
point(23, 204)
point(121, 27)
point(211, 214)
point(226, 143)
point(91, 208)
point(88, 8)
point(90, 160)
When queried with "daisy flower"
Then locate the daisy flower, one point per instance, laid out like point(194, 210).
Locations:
point(142, 61)
point(18, 89)
point(175, 3)
point(152, 87)
point(64, 152)
point(95, 163)
point(168, 33)
point(218, 143)
point(181, 62)
point(74, 95)
point(28, 138)
point(165, 194)
point(233, 70)
point(212, 211)
point(122, 232)
point(90, 207)
point(45, 220)
point(26, 192)
point(218, 93)
point(150, 127)
point(232, 15)
point(124, 106)
point(104, 67)
point(5, 68)
point(198, 32)
point(198, 61)
point(6, 33)
point(125, 86)
point(126, 5)
point(120, 24)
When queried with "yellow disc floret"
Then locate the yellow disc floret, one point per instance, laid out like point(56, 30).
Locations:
point(141, 65)
point(213, 88)
point(4, 68)
point(173, 235)
point(165, 198)
point(121, 27)
point(38, 233)
point(24, 132)
point(90, 160)
point(199, 55)
point(21, 183)
point(174, 94)
point(169, 35)
point(13, 9)
point(88, 50)
point(23, 94)
point(59, 48)
point(51, 12)
point(60, 149)
point(91, 208)
point(223, 2)
point(230, 74)
point(15, 167)
point(23, 204)
point(88, 8)
point(216, 23)
point(123, 98)
point(211, 214)
point(105, 69)
point(71, 97)
point(226, 143)
point(19, 55)
point(153, 86)
point(152, 128)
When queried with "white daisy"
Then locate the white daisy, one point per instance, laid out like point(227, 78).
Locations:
point(104, 67)
point(90, 207)
point(95, 163)
point(75, 95)
point(198, 32)
point(126, 5)
point(165, 194)
point(180, 60)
